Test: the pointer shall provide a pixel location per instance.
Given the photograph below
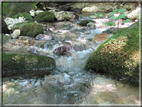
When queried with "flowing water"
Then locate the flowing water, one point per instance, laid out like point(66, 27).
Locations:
point(68, 83)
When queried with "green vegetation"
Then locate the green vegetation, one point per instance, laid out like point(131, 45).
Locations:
point(85, 22)
point(29, 28)
point(45, 17)
point(98, 15)
point(17, 64)
point(119, 55)
point(27, 16)
point(121, 16)
point(11, 9)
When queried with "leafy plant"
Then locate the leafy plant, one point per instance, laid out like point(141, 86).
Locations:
point(121, 16)
point(110, 23)
point(98, 15)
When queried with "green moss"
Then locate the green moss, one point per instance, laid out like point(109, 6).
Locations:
point(29, 28)
point(17, 64)
point(18, 25)
point(119, 55)
point(85, 22)
point(45, 17)
point(11, 9)
point(27, 16)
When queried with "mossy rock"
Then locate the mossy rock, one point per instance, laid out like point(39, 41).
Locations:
point(85, 22)
point(11, 9)
point(45, 17)
point(29, 28)
point(4, 27)
point(18, 64)
point(119, 55)
point(18, 25)
point(27, 16)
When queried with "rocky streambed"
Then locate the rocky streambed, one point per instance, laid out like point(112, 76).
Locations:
point(70, 45)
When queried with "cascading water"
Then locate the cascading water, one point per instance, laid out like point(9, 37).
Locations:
point(69, 83)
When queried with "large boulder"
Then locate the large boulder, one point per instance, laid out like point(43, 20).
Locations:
point(11, 9)
point(118, 55)
point(45, 16)
point(25, 64)
point(29, 28)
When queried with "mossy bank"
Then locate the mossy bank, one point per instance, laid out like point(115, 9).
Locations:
point(26, 64)
point(119, 55)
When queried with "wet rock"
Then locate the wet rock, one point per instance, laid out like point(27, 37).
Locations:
point(15, 33)
point(62, 50)
point(101, 37)
point(43, 37)
point(79, 47)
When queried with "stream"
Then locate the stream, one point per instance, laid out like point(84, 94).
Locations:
point(68, 83)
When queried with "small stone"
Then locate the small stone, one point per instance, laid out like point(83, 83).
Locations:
point(15, 34)
point(43, 37)
point(60, 50)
